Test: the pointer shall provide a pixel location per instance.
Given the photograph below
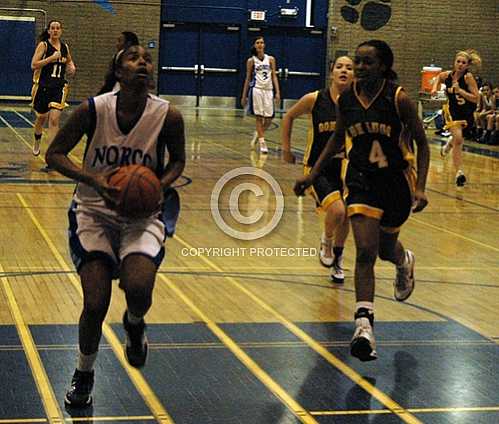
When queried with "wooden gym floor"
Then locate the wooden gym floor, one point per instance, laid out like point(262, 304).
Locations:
point(240, 331)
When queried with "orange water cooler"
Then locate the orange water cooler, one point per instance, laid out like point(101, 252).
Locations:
point(428, 75)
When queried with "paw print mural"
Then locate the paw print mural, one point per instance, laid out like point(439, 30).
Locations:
point(373, 14)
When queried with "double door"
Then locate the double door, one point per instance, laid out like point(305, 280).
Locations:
point(199, 63)
point(300, 59)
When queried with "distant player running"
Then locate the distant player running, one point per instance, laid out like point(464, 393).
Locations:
point(260, 86)
point(50, 63)
point(327, 189)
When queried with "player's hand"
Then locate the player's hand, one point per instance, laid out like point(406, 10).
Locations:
point(420, 201)
point(277, 98)
point(56, 56)
point(288, 157)
point(109, 193)
point(302, 184)
point(433, 93)
point(244, 100)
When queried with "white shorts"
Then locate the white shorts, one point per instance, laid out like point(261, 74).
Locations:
point(261, 102)
point(94, 234)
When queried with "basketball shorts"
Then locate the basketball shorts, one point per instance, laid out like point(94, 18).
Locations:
point(385, 196)
point(328, 186)
point(97, 233)
point(46, 98)
point(457, 117)
point(261, 102)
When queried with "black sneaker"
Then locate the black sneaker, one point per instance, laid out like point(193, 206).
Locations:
point(135, 343)
point(80, 394)
point(46, 169)
point(460, 180)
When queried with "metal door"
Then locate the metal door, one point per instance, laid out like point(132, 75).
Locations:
point(200, 63)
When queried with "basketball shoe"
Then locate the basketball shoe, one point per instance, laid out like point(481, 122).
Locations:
point(460, 179)
point(80, 394)
point(404, 280)
point(337, 273)
point(363, 345)
point(263, 146)
point(135, 343)
point(36, 146)
point(325, 252)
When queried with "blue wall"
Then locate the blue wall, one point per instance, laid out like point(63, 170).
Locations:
point(237, 12)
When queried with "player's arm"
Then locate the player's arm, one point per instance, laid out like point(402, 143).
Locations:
point(173, 135)
point(473, 94)
point(275, 81)
point(249, 74)
point(77, 125)
point(438, 81)
point(335, 144)
point(302, 107)
point(37, 62)
point(409, 117)
point(70, 65)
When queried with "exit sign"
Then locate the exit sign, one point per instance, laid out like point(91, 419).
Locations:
point(257, 15)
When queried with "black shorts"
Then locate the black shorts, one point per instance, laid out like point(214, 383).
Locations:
point(328, 186)
point(386, 196)
point(458, 116)
point(46, 98)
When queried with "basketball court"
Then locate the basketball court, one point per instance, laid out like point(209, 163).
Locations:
point(253, 331)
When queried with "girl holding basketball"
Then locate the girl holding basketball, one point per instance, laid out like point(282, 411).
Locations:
point(462, 94)
point(127, 127)
point(260, 86)
point(327, 190)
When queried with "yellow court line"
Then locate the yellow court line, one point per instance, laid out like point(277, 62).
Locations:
point(47, 395)
point(275, 388)
point(75, 158)
point(435, 227)
point(413, 410)
point(23, 420)
point(19, 136)
point(136, 377)
point(117, 418)
point(317, 347)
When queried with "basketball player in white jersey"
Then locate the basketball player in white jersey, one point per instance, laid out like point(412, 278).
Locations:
point(126, 127)
point(261, 79)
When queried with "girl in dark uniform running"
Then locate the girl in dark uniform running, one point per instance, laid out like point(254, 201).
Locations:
point(462, 94)
point(381, 122)
point(327, 190)
point(50, 63)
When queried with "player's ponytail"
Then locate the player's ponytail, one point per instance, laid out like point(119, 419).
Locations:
point(474, 59)
point(44, 36)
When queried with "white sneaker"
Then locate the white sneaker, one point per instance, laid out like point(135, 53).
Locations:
point(404, 281)
point(36, 147)
point(363, 345)
point(446, 148)
point(253, 140)
point(263, 147)
point(326, 252)
point(337, 273)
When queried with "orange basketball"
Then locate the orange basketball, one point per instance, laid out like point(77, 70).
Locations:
point(140, 191)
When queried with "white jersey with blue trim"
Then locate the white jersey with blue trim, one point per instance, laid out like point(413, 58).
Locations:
point(262, 72)
point(108, 147)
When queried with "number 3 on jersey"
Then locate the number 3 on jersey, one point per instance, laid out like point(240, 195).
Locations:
point(377, 156)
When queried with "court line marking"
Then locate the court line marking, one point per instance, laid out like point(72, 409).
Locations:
point(136, 377)
point(20, 137)
point(318, 348)
point(297, 410)
point(435, 227)
point(414, 410)
point(47, 395)
point(40, 157)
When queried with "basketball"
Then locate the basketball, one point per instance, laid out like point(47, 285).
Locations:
point(140, 191)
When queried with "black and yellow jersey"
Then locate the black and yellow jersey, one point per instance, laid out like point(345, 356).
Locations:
point(54, 73)
point(323, 124)
point(375, 136)
point(457, 102)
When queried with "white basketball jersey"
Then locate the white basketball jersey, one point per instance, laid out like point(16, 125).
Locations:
point(262, 73)
point(109, 148)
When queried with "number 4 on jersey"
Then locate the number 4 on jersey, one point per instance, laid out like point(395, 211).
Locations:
point(377, 156)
